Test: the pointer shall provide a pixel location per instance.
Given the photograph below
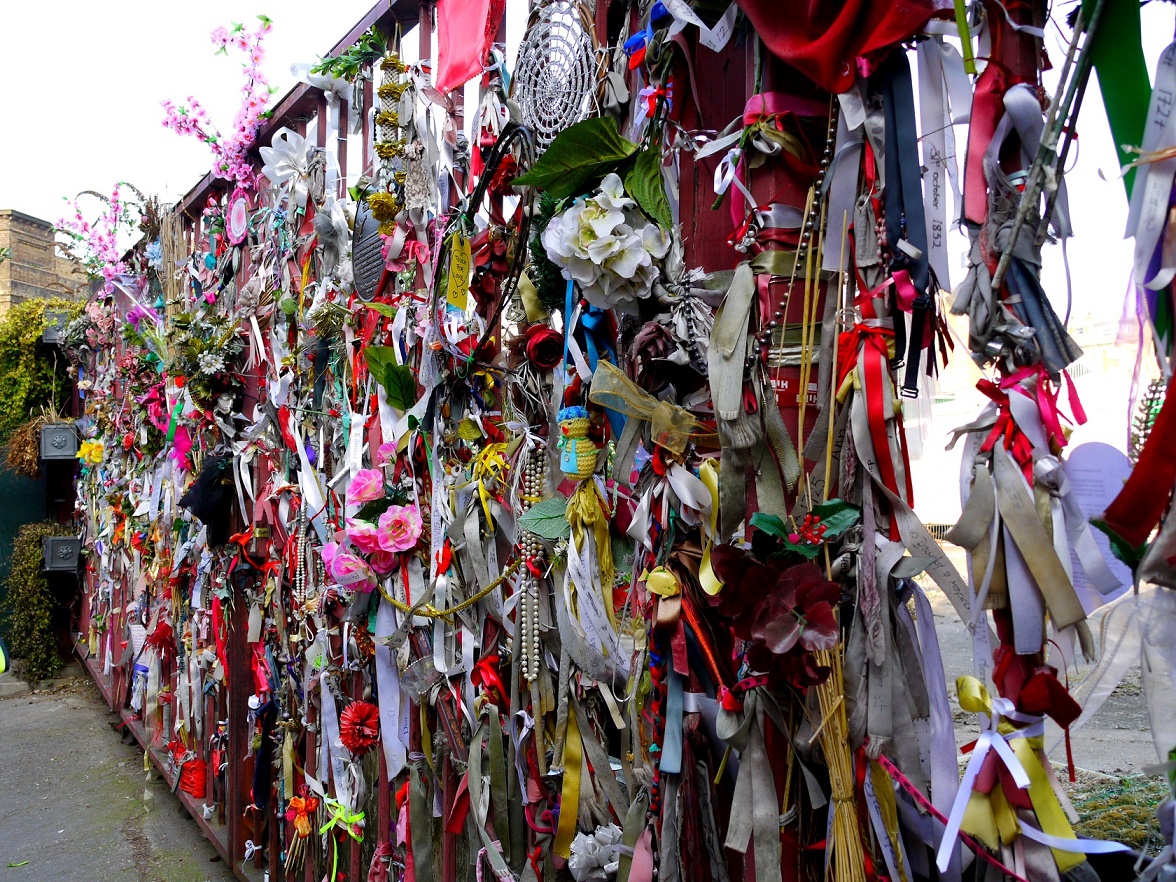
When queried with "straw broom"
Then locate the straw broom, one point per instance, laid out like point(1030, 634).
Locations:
point(848, 858)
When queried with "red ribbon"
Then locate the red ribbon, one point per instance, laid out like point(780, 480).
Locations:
point(485, 674)
point(1141, 503)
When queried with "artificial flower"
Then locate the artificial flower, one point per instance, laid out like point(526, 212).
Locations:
point(363, 535)
point(383, 562)
point(400, 527)
point(544, 346)
point(366, 485)
point(351, 572)
point(287, 162)
point(606, 246)
point(359, 727)
point(649, 355)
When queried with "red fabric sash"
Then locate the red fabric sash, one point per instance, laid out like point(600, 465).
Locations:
point(1141, 503)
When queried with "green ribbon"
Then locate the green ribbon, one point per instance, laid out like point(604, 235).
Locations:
point(351, 822)
point(174, 421)
point(1117, 55)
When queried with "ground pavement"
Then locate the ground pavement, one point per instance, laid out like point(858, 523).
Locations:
point(72, 799)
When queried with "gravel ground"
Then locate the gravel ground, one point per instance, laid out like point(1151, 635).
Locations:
point(72, 799)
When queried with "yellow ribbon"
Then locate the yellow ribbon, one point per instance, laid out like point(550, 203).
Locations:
point(488, 466)
point(569, 800)
point(989, 817)
point(671, 425)
point(662, 582)
point(587, 510)
point(708, 473)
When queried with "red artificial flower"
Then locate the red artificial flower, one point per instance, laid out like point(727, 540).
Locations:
point(544, 346)
point(359, 727)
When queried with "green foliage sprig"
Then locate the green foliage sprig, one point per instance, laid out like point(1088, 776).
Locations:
point(30, 378)
point(28, 607)
point(349, 64)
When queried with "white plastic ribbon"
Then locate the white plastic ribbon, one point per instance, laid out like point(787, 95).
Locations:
point(990, 739)
point(1148, 213)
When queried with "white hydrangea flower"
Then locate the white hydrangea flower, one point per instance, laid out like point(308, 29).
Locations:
point(606, 246)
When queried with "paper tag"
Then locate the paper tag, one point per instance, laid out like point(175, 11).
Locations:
point(681, 10)
point(1096, 472)
point(255, 622)
point(457, 280)
point(717, 37)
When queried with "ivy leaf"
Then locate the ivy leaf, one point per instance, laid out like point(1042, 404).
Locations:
point(837, 516)
point(644, 183)
point(547, 519)
point(578, 156)
point(400, 386)
point(770, 524)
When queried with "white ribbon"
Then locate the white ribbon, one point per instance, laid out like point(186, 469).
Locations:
point(726, 175)
point(990, 739)
point(1148, 214)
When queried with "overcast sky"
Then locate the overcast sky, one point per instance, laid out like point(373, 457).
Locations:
point(84, 79)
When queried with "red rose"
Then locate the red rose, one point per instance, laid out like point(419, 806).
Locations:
point(544, 346)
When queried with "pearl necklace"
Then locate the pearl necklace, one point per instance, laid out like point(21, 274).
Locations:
point(533, 485)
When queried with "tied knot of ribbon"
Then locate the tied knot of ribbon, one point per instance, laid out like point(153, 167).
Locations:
point(299, 811)
point(487, 469)
point(485, 674)
point(864, 338)
point(671, 426)
point(251, 850)
point(1005, 429)
point(1002, 715)
point(732, 699)
point(349, 821)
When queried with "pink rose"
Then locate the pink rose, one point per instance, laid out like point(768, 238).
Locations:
point(328, 552)
point(387, 452)
point(384, 562)
point(400, 527)
point(366, 485)
point(363, 535)
point(351, 572)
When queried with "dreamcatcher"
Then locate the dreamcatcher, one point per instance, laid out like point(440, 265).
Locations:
point(558, 70)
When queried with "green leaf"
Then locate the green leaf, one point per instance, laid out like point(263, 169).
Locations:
point(547, 519)
point(579, 156)
point(378, 358)
point(1120, 547)
point(400, 386)
point(371, 511)
point(644, 183)
point(837, 515)
point(383, 309)
point(770, 524)
point(804, 549)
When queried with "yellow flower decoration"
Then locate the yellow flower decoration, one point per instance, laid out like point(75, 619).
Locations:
point(91, 452)
point(384, 206)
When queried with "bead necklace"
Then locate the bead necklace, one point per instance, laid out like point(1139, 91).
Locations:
point(808, 231)
point(534, 485)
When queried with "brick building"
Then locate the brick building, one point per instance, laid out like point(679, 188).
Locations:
point(34, 268)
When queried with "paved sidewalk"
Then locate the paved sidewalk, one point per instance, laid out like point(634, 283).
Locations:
point(72, 799)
